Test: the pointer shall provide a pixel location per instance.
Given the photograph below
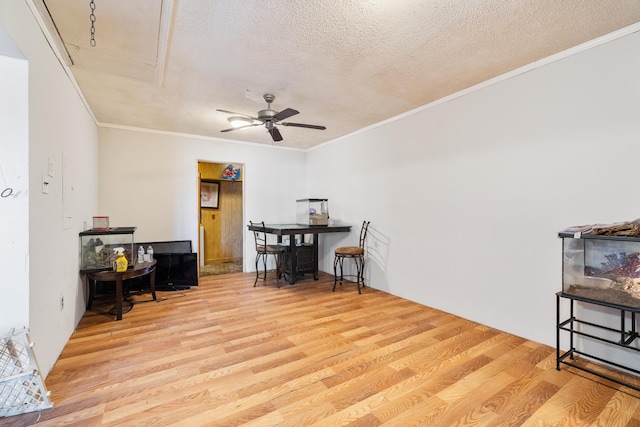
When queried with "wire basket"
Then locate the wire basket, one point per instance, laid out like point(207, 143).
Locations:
point(21, 387)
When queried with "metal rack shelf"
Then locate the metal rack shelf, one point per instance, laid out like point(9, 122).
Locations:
point(627, 337)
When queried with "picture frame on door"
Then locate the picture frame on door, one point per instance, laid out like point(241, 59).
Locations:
point(209, 194)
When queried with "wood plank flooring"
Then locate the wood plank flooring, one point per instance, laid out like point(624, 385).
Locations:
point(228, 354)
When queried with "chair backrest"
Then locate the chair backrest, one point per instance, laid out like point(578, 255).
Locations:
point(259, 233)
point(363, 233)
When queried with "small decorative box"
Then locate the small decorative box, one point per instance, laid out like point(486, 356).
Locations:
point(100, 223)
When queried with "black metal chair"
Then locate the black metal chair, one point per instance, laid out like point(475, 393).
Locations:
point(354, 252)
point(263, 250)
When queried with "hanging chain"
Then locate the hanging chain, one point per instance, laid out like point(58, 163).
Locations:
point(92, 17)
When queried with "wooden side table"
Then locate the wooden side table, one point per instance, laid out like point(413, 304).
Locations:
point(138, 270)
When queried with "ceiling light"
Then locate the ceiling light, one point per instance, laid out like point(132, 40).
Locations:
point(239, 121)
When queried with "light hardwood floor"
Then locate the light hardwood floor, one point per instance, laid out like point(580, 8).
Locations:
point(226, 354)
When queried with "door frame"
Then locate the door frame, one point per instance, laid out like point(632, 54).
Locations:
point(201, 243)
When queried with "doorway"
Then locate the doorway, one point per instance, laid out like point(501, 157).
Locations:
point(220, 205)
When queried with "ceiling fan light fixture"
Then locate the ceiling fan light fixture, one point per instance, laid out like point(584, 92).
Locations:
point(239, 121)
point(268, 118)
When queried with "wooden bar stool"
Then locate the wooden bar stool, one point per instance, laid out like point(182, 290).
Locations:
point(354, 252)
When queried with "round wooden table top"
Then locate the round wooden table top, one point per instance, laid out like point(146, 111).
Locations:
point(139, 269)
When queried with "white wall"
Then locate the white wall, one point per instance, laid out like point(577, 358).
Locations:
point(14, 186)
point(466, 197)
point(150, 180)
point(61, 131)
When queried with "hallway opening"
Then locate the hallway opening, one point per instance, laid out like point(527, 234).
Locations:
point(221, 207)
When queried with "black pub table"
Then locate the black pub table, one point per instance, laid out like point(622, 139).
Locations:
point(303, 258)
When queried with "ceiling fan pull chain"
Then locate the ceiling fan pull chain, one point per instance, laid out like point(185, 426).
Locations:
point(92, 18)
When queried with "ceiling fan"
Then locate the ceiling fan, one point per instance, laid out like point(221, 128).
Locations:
point(269, 118)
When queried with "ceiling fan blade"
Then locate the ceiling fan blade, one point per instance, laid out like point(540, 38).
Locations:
point(285, 114)
point(275, 134)
point(237, 114)
point(241, 127)
point(303, 125)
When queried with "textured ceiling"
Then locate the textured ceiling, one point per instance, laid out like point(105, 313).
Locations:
point(168, 65)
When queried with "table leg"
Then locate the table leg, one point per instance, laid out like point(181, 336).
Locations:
point(119, 297)
point(315, 256)
point(152, 283)
point(293, 259)
point(91, 289)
